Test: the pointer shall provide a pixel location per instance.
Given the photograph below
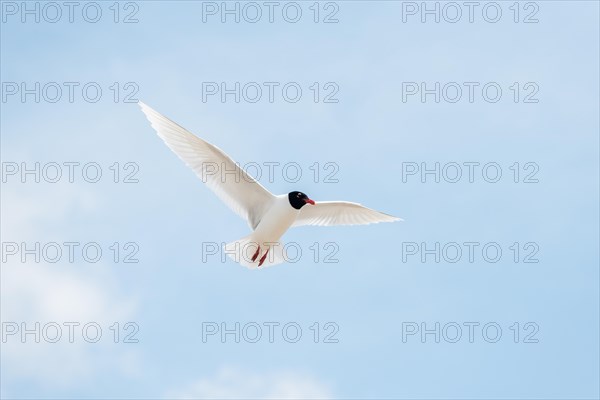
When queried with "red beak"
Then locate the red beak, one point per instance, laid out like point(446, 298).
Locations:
point(309, 201)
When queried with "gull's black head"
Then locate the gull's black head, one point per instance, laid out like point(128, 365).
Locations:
point(299, 199)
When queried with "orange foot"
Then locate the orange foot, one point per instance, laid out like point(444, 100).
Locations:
point(263, 258)
point(255, 256)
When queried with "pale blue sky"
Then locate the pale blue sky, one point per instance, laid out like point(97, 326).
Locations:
point(369, 133)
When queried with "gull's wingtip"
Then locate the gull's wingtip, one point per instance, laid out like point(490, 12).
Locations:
point(147, 110)
point(392, 218)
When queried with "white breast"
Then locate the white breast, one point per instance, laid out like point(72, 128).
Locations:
point(276, 221)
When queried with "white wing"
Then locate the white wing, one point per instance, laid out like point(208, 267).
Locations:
point(328, 213)
point(248, 198)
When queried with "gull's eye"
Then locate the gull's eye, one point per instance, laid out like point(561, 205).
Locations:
point(299, 194)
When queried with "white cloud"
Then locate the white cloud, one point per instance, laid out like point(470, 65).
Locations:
point(235, 383)
point(41, 292)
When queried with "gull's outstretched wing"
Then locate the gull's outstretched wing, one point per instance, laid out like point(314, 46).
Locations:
point(328, 213)
point(244, 195)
